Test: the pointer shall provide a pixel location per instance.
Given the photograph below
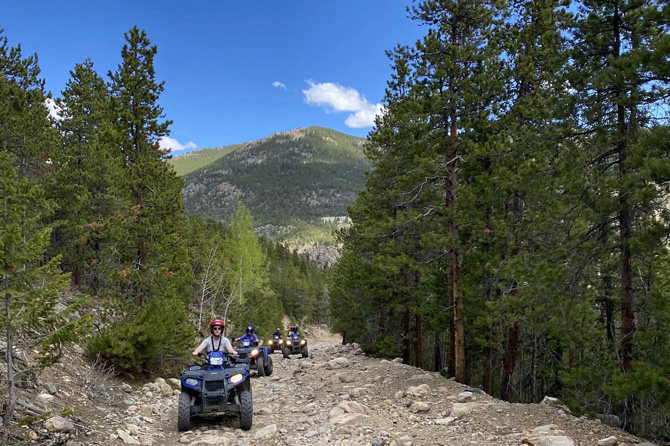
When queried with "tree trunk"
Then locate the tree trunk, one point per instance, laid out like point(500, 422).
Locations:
point(453, 257)
point(405, 340)
point(438, 354)
point(418, 345)
point(511, 354)
point(11, 385)
point(488, 366)
point(628, 312)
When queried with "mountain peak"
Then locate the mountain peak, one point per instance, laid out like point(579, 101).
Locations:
point(286, 179)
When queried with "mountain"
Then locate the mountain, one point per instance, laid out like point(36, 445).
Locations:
point(191, 161)
point(296, 183)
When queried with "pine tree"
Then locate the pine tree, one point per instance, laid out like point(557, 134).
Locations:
point(86, 170)
point(25, 126)
point(30, 282)
point(154, 188)
point(622, 53)
point(149, 261)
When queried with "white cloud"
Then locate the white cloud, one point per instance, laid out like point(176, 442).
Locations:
point(278, 84)
point(175, 146)
point(364, 118)
point(337, 98)
point(54, 110)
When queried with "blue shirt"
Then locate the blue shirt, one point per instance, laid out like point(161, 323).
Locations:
point(252, 338)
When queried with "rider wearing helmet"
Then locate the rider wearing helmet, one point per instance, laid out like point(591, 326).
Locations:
point(249, 336)
point(277, 332)
point(216, 342)
point(293, 329)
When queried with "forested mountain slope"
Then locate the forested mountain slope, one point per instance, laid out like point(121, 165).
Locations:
point(300, 175)
point(188, 162)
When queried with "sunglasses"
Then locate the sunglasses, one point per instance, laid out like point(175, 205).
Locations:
point(217, 328)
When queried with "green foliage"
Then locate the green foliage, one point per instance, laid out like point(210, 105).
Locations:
point(25, 127)
point(556, 213)
point(155, 337)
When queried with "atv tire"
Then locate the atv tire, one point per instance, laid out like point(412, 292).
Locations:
point(246, 409)
point(268, 366)
point(305, 353)
point(184, 412)
point(285, 352)
point(260, 366)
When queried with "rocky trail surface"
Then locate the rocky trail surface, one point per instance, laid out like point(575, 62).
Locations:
point(337, 396)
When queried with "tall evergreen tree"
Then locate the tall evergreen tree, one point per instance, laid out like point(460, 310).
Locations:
point(87, 169)
point(622, 54)
point(154, 188)
point(30, 283)
point(25, 126)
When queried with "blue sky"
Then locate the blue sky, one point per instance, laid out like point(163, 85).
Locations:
point(234, 70)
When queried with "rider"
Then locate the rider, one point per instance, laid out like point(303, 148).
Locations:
point(277, 333)
point(216, 342)
point(249, 336)
point(293, 329)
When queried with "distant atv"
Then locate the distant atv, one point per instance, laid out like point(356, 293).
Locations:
point(275, 343)
point(294, 345)
point(220, 387)
point(258, 358)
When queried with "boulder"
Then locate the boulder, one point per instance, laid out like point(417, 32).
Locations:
point(555, 440)
point(352, 407)
point(346, 377)
point(461, 409)
point(418, 391)
point(51, 388)
point(126, 437)
point(338, 363)
point(347, 418)
point(58, 424)
point(448, 421)
point(419, 406)
point(266, 432)
point(45, 398)
point(609, 419)
point(609, 441)
point(465, 397)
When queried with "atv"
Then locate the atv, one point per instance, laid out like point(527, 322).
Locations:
point(258, 358)
point(294, 345)
point(219, 386)
point(275, 343)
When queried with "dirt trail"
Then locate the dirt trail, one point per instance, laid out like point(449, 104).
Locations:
point(338, 396)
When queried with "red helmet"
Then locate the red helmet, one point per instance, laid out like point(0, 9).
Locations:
point(216, 323)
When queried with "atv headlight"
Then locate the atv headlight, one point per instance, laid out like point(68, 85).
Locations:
point(254, 352)
point(281, 341)
point(236, 378)
point(303, 342)
point(270, 342)
point(216, 360)
point(192, 381)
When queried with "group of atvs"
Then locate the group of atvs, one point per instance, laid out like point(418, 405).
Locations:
point(223, 384)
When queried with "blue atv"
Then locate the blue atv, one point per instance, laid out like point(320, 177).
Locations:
point(294, 345)
point(219, 386)
point(258, 357)
point(275, 343)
